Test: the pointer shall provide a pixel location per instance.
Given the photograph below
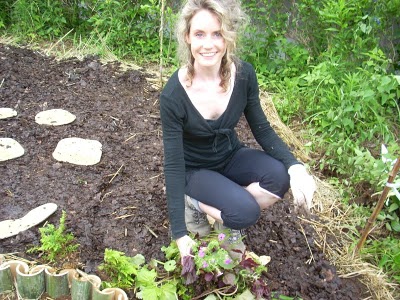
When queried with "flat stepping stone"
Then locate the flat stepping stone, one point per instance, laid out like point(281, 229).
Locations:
point(10, 149)
point(36, 216)
point(78, 151)
point(54, 117)
point(6, 113)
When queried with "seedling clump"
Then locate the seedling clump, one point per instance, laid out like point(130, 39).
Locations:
point(55, 243)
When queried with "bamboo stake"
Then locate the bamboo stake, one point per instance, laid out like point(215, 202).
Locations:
point(379, 205)
point(161, 32)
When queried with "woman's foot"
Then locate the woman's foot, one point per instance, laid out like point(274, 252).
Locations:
point(196, 221)
point(233, 241)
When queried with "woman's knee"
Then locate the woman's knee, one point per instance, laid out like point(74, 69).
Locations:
point(242, 217)
point(277, 184)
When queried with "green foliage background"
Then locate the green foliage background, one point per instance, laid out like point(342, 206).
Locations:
point(331, 65)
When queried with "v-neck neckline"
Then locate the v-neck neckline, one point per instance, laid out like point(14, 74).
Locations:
point(197, 111)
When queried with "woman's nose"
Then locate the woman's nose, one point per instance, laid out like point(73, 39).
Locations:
point(208, 42)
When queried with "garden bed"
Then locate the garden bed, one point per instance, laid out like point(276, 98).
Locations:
point(119, 203)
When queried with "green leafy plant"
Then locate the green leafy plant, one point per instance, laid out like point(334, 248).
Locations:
point(38, 19)
point(129, 28)
point(152, 287)
point(385, 254)
point(211, 269)
point(120, 268)
point(214, 270)
point(55, 242)
point(132, 272)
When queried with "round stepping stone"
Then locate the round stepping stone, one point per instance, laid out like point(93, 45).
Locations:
point(10, 149)
point(6, 112)
point(54, 117)
point(78, 151)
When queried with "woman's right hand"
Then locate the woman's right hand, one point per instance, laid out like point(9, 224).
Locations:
point(185, 245)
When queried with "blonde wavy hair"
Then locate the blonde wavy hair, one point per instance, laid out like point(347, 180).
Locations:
point(231, 17)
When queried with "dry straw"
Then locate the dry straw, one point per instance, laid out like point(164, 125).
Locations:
point(334, 221)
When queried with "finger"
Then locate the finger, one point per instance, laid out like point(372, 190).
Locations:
point(301, 203)
point(298, 196)
point(309, 193)
point(302, 209)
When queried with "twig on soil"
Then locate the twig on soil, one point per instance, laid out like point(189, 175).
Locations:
point(115, 119)
point(8, 192)
point(127, 215)
point(124, 216)
point(155, 176)
point(1, 84)
point(105, 195)
point(135, 134)
point(308, 245)
point(129, 207)
point(151, 231)
point(131, 137)
point(115, 174)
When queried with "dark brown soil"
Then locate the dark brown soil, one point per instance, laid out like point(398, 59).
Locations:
point(125, 212)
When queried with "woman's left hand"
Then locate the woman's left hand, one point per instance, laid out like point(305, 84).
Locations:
point(303, 187)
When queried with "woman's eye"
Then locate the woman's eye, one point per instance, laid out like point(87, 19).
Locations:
point(199, 34)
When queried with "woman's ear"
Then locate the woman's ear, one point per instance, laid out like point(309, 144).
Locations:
point(187, 39)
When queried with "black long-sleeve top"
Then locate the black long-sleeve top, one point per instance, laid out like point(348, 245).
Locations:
point(190, 142)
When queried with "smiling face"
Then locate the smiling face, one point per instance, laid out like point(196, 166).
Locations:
point(206, 42)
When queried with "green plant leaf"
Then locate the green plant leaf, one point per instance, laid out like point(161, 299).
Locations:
point(395, 224)
point(148, 293)
point(393, 207)
point(170, 265)
point(168, 291)
point(138, 260)
point(146, 277)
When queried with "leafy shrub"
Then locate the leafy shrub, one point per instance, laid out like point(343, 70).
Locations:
point(38, 19)
point(130, 29)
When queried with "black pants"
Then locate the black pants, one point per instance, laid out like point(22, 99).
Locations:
point(225, 190)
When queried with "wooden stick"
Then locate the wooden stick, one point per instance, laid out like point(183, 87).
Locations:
point(161, 33)
point(379, 205)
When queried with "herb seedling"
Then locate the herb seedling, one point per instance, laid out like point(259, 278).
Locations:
point(120, 268)
point(55, 242)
